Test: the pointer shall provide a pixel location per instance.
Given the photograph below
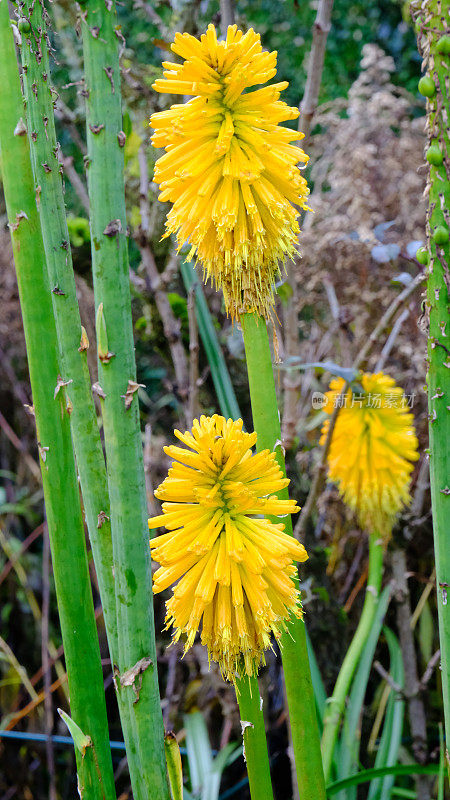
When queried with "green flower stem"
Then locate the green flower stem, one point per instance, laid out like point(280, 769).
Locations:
point(254, 738)
point(336, 704)
point(49, 194)
point(136, 672)
point(432, 22)
point(226, 397)
point(299, 690)
point(62, 502)
point(247, 689)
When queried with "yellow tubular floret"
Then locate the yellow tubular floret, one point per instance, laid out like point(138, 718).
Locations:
point(234, 567)
point(229, 168)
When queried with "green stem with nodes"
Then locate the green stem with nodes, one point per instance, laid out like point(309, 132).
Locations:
point(73, 345)
point(72, 342)
point(254, 738)
point(433, 35)
point(62, 501)
point(136, 666)
point(299, 690)
point(336, 703)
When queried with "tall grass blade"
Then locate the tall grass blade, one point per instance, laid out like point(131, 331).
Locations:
point(350, 737)
point(367, 775)
point(393, 724)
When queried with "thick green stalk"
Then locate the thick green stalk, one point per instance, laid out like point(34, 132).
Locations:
point(72, 343)
point(336, 703)
point(432, 23)
point(299, 690)
point(254, 738)
point(50, 199)
point(137, 677)
point(247, 689)
point(62, 502)
point(226, 397)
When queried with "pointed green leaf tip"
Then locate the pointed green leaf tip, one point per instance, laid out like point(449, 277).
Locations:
point(102, 337)
point(80, 739)
point(174, 768)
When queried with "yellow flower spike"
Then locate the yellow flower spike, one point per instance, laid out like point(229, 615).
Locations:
point(230, 170)
point(234, 567)
point(371, 450)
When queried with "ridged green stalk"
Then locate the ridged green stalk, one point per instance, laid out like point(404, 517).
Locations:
point(336, 703)
point(254, 738)
point(50, 200)
point(247, 689)
point(136, 668)
point(62, 502)
point(299, 690)
point(433, 26)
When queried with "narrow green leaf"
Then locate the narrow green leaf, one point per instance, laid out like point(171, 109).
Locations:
point(198, 750)
point(369, 774)
point(80, 739)
point(393, 724)
point(441, 778)
point(320, 694)
point(349, 742)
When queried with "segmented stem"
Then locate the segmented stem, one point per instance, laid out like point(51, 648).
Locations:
point(62, 502)
point(39, 97)
point(136, 668)
point(432, 20)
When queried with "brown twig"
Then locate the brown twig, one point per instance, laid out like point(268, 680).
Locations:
point(431, 666)
point(356, 590)
point(154, 509)
point(67, 118)
point(193, 403)
point(76, 181)
point(19, 445)
point(150, 12)
point(226, 15)
point(386, 318)
point(170, 685)
point(34, 703)
point(14, 384)
point(321, 29)
point(23, 548)
point(171, 326)
point(387, 677)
